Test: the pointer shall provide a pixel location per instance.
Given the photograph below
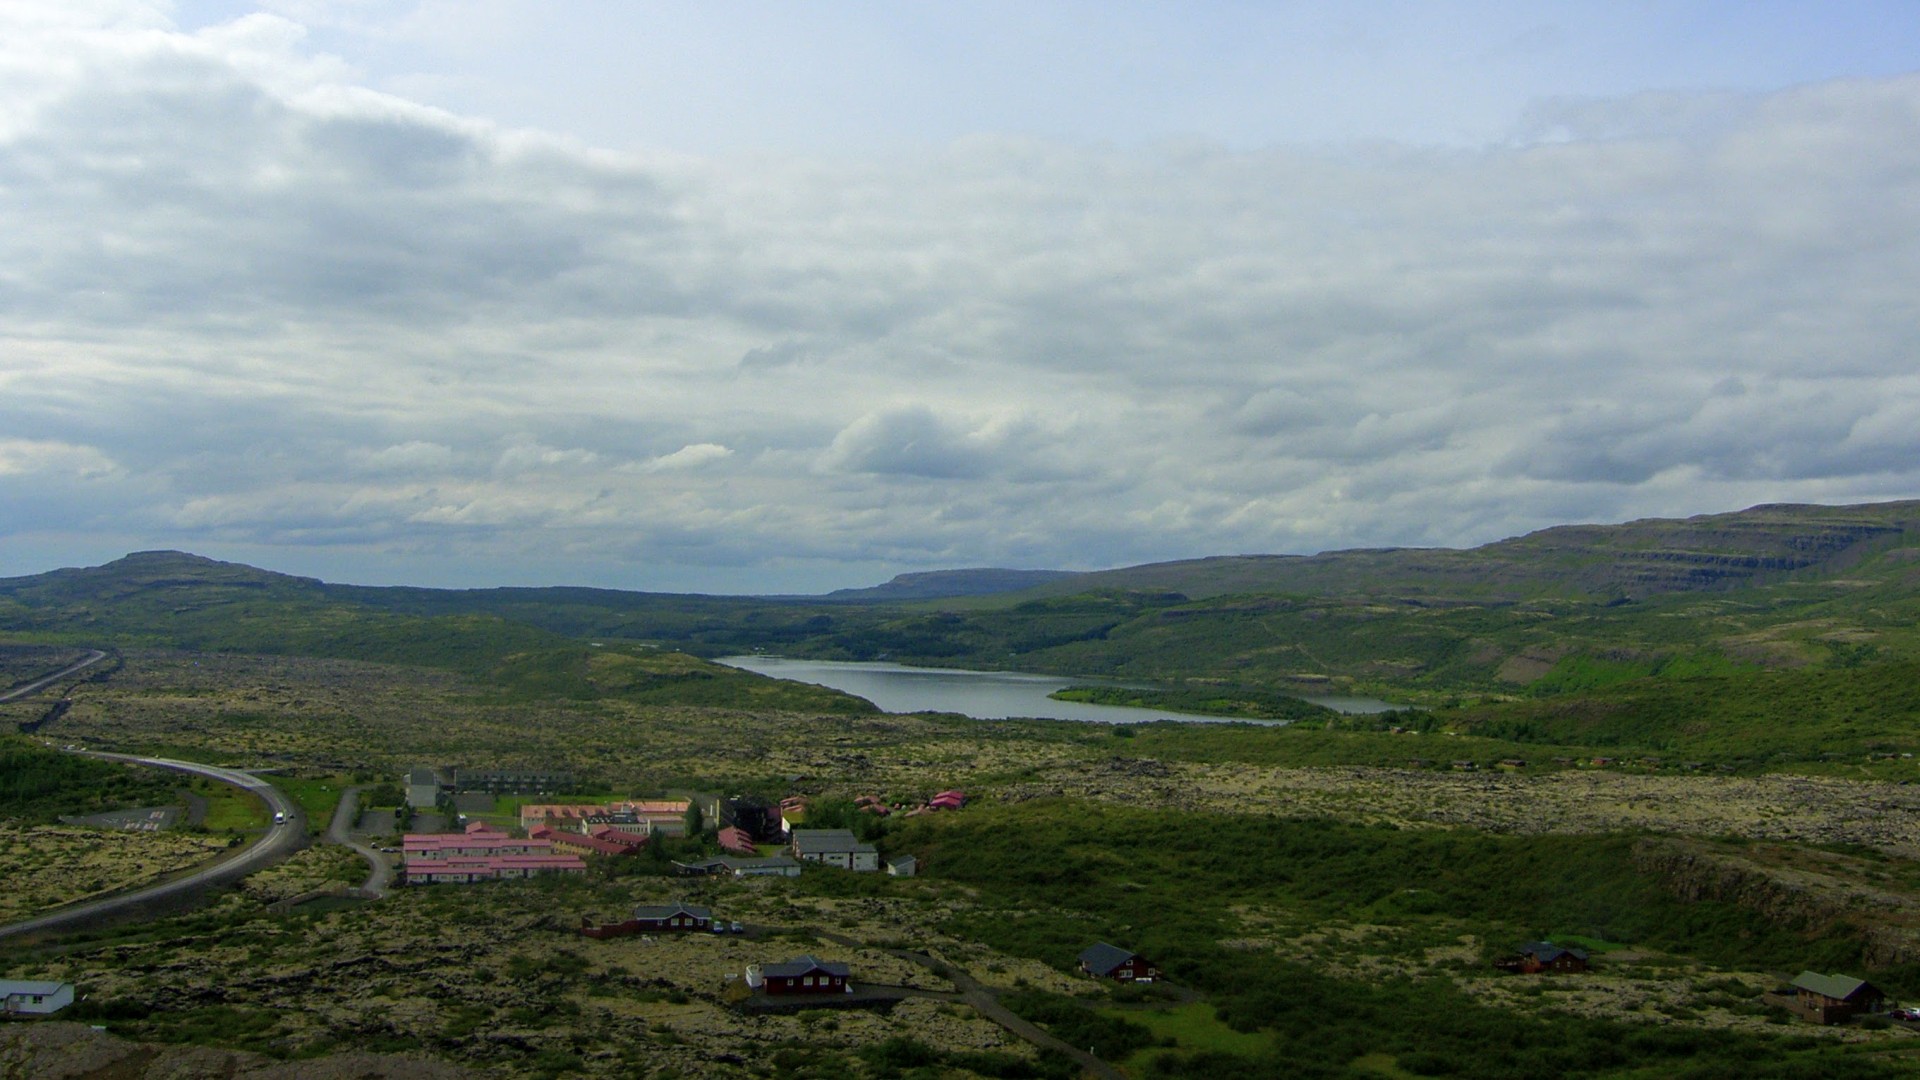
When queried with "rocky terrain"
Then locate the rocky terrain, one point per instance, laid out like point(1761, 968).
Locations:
point(1807, 809)
point(496, 977)
point(50, 865)
point(63, 1051)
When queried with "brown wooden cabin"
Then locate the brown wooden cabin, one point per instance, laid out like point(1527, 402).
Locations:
point(1537, 956)
point(1827, 999)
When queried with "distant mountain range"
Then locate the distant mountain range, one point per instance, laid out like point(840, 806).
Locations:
point(1629, 560)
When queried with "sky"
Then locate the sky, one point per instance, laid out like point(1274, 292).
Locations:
point(782, 298)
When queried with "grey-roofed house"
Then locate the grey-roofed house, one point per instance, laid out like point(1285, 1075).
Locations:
point(903, 866)
point(1828, 999)
point(1104, 961)
point(29, 997)
point(672, 917)
point(835, 847)
point(424, 785)
point(769, 866)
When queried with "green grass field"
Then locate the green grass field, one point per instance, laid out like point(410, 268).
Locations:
point(317, 796)
point(1195, 1029)
point(229, 809)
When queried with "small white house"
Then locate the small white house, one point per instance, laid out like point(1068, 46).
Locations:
point(835, 847)
point(24, 997)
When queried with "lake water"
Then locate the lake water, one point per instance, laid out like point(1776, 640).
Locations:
point(983, 695)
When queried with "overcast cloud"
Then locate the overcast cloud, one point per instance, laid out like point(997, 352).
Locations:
point(252, 307)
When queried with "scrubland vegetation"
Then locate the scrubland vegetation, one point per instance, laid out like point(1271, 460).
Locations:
point(1682, 747)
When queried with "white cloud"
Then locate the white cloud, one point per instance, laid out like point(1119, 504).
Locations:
point(254, 302)
point(29, 457)
point(691, 456)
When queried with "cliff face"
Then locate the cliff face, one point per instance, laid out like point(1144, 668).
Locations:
point(1797, 897)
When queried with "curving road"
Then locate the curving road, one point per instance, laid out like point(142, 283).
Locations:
point(380, 871)
point(40, 684)
point(282, 838)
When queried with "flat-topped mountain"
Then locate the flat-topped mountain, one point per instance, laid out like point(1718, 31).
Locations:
point(938, 584)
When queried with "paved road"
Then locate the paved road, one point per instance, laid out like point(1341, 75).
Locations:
point(38, 685)
point(379, 870)
point(281, 839)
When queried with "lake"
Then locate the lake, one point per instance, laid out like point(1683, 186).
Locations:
point(983, 695)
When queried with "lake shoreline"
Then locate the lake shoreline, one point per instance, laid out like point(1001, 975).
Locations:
point(992, 695)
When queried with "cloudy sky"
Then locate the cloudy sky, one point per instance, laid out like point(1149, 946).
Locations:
point(774, 297)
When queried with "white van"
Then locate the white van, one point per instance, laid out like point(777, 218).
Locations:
point(279, 817)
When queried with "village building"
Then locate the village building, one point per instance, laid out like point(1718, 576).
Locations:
point(758, 817)
point(462, 870)
point(835, 847)
point(514, 781)
point(737, 840)
point(583, 844)
point(666, 917)
point(654, 919)
point(424, 785)
point(27, 997)
point(481, 853)
point(770, 866)
point(793, 813)
point(1104, 961)
point(1827, 999)
point(665, 816)
point(802, 975)
point(903, 866)
point(1538, 956)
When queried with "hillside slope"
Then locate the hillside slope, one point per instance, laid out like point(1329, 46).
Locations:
point(1634, 560)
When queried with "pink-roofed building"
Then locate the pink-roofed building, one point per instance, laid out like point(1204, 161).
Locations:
point(582, 844)
point(474, 845)
point(735, 839)
point(619, 834)
point(467, 869)
point(657, 815)
point(947, 800)
point(532, 814)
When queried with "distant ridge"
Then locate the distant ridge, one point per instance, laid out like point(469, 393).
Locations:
point(944, 584)
point(1635, 559)
point(1631, 560)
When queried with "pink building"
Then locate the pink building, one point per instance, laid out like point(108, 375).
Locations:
point(481, 853)
point(462, 869)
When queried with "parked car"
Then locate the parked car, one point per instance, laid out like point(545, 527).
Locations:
point(736, 927)
point(718, 927)
point(1903, 1014)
